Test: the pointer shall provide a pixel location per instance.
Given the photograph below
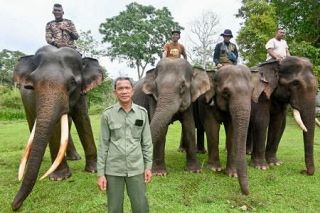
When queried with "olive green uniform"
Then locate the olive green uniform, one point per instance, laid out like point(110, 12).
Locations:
point(125, 152)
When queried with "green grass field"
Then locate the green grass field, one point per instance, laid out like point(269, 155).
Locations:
point(279, 189)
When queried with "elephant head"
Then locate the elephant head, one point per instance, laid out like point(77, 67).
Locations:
point(174, 85)
point(51, 82)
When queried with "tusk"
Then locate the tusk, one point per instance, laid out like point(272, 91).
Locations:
point(297, 118)
point(317, 122)
point(26, 153)
point(63, 145)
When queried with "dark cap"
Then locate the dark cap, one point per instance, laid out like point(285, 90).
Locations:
point(175, 31)
point(227, 32)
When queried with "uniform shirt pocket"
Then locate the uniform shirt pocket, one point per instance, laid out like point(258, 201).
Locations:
point(115, 132)
point(136, 132)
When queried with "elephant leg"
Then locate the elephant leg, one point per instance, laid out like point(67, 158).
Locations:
point(200, 140)
point(82, 122)
point(158, 165)
point(71, 153)
point(249, 140)
point(212, 128)
point(231, 169)
point(260, 120)
point(63, 171)
point(276, 129)
point(188, 127)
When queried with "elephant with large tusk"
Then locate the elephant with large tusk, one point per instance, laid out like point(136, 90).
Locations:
point(53, 83)
point(277, 85)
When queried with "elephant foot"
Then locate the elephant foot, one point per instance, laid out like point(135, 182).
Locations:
point(259, 164)
point(216, 167)
point(59, 175)
point(91, 166)
point(201, 151)
point(231, 172)
point(159, 169)
point(73, 156)
point(306, 172)
point(193, 167)
point(274, 161)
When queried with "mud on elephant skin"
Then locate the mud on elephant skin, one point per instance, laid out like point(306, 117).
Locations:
point(277, 85)
point(167, 92)
point(52, 85)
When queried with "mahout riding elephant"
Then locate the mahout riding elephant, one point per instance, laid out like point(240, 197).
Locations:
point(167, 92)
point(289, 82)
point(229, 102)
point(53, 83)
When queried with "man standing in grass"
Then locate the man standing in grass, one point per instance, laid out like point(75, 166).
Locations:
point(125, 151)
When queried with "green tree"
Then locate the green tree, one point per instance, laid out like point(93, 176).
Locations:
point(260, 23)
point(301, 19)
point(8, 59)
point(137, 35)
point(88, 46)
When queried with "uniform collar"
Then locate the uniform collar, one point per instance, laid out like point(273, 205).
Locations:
point(134, 107)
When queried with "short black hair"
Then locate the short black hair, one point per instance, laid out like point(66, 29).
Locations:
point(122, 79)
point(57, 5)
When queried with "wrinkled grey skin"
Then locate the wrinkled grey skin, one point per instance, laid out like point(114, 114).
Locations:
point(289, 82)
point(231, 92)
point(167, 93)
point(52, 82)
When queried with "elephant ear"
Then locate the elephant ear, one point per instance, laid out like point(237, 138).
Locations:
point(149, 85)
point(92, 74)
point(23, 68)
point(265, 79)
point(200, 83)
point(211, 92)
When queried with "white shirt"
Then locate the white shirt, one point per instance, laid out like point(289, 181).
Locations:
point(278, 47)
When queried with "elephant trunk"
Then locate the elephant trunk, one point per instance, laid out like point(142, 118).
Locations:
point(48, 113)
point(307, 117)
point(240, 113)
point(164, 112)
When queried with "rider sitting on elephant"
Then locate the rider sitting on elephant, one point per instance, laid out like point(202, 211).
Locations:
point(225, 52)
point(174, 49)
point(61, 32)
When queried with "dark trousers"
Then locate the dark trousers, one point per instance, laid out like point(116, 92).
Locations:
point(136, 190)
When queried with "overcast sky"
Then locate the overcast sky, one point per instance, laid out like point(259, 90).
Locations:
point(23, 21)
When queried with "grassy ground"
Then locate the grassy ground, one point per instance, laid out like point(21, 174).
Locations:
point(279, 189)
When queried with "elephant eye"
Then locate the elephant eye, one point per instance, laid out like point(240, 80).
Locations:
point(182, 87)
point(295, 83)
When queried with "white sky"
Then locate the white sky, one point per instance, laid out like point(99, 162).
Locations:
point(23, 22)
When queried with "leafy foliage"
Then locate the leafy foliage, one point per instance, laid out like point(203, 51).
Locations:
point(301, 19)
point(8, 60)
point(262, 17)
point(88, 46)
point(137, 35)
point(11, 107)
point(259, 27)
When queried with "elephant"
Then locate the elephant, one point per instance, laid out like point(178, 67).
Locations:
point(53, 85)
point(229, 102)
point(167, 92)
point(279, 84)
